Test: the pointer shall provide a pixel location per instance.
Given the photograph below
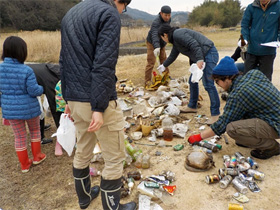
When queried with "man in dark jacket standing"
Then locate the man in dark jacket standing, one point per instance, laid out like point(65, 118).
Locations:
point(260, 24)
point(90, 34)
point(155, 45)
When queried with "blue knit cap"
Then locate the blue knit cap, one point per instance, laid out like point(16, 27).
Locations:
point(226, 67)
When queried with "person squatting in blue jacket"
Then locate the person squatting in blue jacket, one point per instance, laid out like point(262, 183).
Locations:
point(18, 99)
point(260, 24)
point(90, 35)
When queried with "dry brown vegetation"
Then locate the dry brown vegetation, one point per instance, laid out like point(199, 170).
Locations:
point(45, 46)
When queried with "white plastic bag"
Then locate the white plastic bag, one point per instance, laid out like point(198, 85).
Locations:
point(66, 134)
point(196, 72)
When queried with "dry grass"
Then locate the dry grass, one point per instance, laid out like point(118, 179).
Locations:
point(42, 46)
point(45, 46)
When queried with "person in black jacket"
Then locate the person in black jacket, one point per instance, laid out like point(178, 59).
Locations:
point(239, 54)
point(155, 45)
point(201, 51)
point(90, 35)
point(48, 75)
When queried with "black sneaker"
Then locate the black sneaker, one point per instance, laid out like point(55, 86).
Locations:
point(265, 154)
point(46, 141)
point(47, 127)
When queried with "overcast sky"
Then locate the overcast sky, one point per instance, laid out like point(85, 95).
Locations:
point(153, 6)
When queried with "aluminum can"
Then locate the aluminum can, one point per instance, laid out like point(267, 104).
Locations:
point(231, 171)
point(222, 172)
point(233, 161)
point(225, 181)
point(240, 158)
point(252, 162)
point(243, 166)
point(256, 174)
point(226, 159)
point(237, 183)
point(208, 146)
point(214, 178)
point(217, 145)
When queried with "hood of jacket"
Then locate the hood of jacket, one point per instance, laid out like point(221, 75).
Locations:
point(257, 3)
point(111, 2)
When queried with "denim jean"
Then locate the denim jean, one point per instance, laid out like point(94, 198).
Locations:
point(211, 60)
point(240, 66)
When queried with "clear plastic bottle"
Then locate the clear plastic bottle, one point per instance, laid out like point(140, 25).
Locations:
point(167, 125)
point(130, 184)
point(146, 161)
point(138, 162)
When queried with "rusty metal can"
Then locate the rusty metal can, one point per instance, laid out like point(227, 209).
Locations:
point(231, 171)
point(233, 162)
point(214, 178)
point(226, 159)
point(239, 186)
point(240, 158)
point(256, 174)
point(235, 206)
point(225, 181)
point(252, 162)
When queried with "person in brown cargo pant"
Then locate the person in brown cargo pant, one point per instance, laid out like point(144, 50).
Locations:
point(155, 45)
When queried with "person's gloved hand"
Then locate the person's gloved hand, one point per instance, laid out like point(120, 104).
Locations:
point(239, 43)
point(194, 138)
point(156, 51)
point(161, 68)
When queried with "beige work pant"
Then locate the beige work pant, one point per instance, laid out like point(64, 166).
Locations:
point(151, 60)
point(110, 137)
point(254, 133)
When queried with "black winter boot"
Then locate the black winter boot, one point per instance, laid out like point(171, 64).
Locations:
point(82, 185)
point(111, 194)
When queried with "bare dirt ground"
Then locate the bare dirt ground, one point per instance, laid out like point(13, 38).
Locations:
point(50, 185)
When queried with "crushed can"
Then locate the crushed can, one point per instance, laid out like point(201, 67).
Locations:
point(178, 147)
point(150, 184)
point(253, 186)
point(256, 174)
point(243, 166)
